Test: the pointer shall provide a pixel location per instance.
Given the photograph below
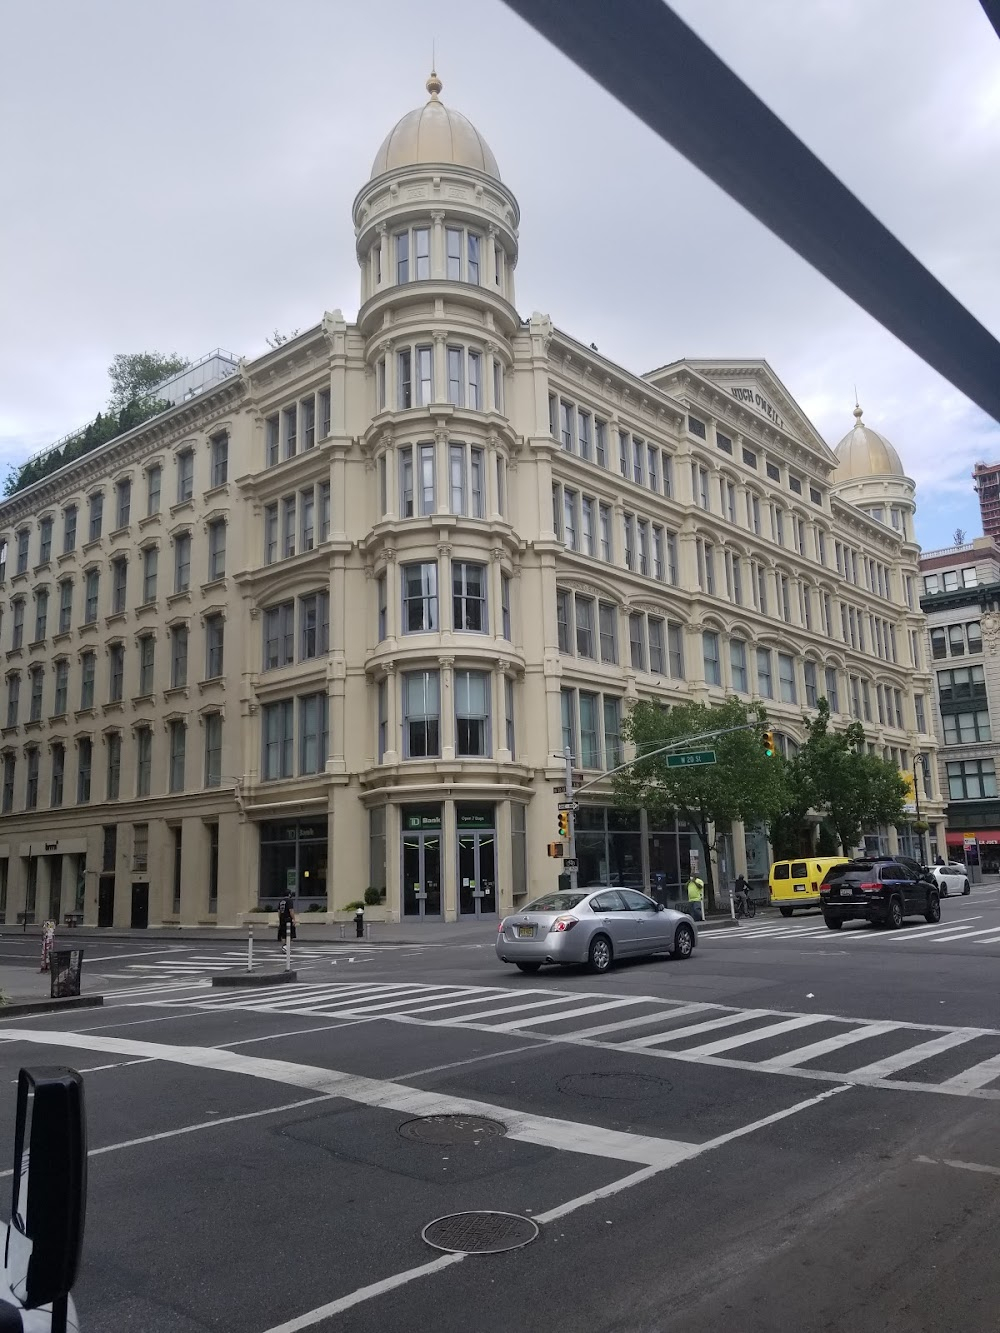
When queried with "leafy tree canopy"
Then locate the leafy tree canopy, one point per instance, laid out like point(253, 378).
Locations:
point(134, 375)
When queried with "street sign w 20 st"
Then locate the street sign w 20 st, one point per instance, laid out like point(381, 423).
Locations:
point(693, 759)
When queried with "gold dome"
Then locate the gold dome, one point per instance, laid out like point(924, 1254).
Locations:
point(863, 452)
point(435, 134)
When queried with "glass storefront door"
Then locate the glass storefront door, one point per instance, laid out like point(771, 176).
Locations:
point(421, 860)
point(477, 859)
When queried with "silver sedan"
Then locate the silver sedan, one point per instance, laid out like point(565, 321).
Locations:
point(593, 926)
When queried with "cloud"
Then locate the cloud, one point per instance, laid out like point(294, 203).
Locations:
point(186, 183)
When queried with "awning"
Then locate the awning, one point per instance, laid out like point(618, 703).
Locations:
point(988, 835)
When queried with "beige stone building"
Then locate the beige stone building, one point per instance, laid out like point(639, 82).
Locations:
point(329, 622)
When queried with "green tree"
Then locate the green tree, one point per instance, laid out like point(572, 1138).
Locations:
point(843, 783)
point(134, 375)
point(743, 783)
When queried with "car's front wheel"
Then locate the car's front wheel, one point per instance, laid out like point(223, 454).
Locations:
point(528, 967)
point(683, 942)
point(933, 912)
point(944, 890)
point(894, 918)
point(966, 888)
point(834, 922)
point(600, 955)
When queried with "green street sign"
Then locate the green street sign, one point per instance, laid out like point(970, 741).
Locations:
point(693, 759)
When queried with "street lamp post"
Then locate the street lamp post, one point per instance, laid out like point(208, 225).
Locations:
point(918, 768)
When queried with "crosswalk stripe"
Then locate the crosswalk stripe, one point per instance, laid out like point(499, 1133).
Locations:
point(975, 1077)
point(695, 1029)
point(467, 999)
point(994, 932)
point(919, 937)
point(789, 1059)
point(292, 1000)
point(659, 1017)
point(565, 1013)
point(913, 1055)
point(758, 1034)
point(549, 1002)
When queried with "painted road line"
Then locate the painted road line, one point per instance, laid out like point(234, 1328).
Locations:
point(952, 933)
point(549, 1002)
point(976, 1077)
point(523, 1126)
point(940, 1161)
point(519, 1023)
point(914, 1055)
point(478, 999)
point(759, 1034)
point(694, 1029)
point(679, 1011)
point(282, 997)
point(820, 1048)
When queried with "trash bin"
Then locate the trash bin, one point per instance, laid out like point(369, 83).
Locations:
point(67, 967)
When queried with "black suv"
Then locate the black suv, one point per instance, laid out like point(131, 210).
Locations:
point(882, 889)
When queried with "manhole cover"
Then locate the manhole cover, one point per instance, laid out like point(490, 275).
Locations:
point(617, 1086)
point(450, 1130)
point(480, 1232)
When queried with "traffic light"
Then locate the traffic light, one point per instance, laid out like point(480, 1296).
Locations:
point(767, 740)
point(564, 824)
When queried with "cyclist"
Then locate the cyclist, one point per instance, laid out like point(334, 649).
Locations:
point(744, 903)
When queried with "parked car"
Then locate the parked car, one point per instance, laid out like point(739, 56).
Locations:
point(883, 890)
point(951, 878)
point(593, 926)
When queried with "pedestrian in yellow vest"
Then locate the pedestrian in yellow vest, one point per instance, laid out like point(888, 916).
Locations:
point(696, 894)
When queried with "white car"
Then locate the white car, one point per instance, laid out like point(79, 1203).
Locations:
point(951, 878)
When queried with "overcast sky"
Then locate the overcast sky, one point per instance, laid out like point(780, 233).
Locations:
point(180, 177)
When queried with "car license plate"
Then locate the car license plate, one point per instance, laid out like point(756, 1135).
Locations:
point(846, 893)
point(800, 888)
point(526, 932)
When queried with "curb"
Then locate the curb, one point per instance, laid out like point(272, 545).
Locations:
point(240, 979)
point(43, 1006)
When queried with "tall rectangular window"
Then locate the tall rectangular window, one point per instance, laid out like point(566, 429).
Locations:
point(657, 657)
point(270, 534)
point(812, 690)
point(65, 605)
point(178, 656)
point(472, 714)
point(403, 256)
point(563, 602)
point(119, 579)
point(69, 529)
point(590, 729)
point(213, 869)
point(425, 463)
point(85, 759)
point(8, 783)
point(96, 516)
point(567, 705)
point(382, 703)
point(182, 562)
point(216, 549)
point(604, 517)
point(58, 774)
point(475, 363)
point(832, 696)
point(420, 608)
point(61, 696)
point(584, 625)
point(314, 625)
point(608, 615)
point(116, 672)
point(628, 527)
point(41, 614)
point(918, 708)
point(17, 628)
point(583, 434)
point(738, 666)
point(508, 707)
point(469, 596)
point(710, 655)
point(45, 541)
point(31, 787)
point(421, 715)
point(36, 678)
point(279, 635)
point(272, 437)
point(425, 376)
point(123, 502)
point(88, 671)
point(147, 649)
point(143, 760)
point(278, 733)
point(456, 376)
point(114, 774)
point(220, 459)
point(505, 607)
point(601, 442)
point(786, 679)
point(422, 252)
point(324, 409)
point(612, 732)
point(150, 559)
point(570, 531)
point(185, 475)
point(765, 683)
point(406, 482)
point(22, 551)
point(453, 253)
point(213, 749)
point(91, 590)
point(290, 430)
point(214, 640)
point(404, 379)
point(324, 511)
point(154, 478)
point(637, 640)
point(313, 732)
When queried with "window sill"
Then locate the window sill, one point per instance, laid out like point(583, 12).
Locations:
point(118, 533)
point(66, 556)
point(213, 585)
point(175, 598)
point(88, 625)
point(221, 489)
point(14, 653)
point(214, 683)
point(9, 731)
point(176, 692)
point(115, 618)
point(61, 637)
point(18, 579)
point(36, 643)
point(113, 706)
point(149, 519)
point(57, 717)
point(146, 609)
point(182, 507)
point(92, 545)
point(41, 568)
point(83, 712)
point(138, 699)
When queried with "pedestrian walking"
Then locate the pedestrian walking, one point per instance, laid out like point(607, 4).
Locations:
point(286, 917)
point(696, 894)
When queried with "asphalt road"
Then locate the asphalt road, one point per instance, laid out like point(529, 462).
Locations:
point(794, 1130)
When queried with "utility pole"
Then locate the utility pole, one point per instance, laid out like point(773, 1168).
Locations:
point(571, 822)
point(918, 764)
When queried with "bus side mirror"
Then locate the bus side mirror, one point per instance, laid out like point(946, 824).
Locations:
point(49, 1201)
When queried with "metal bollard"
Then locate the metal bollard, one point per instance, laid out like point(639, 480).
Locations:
point(288, 948)
point(368, 930)
point(250, 947)
point(343, 931)
point(359, 923)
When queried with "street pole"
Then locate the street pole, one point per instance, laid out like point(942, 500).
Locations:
point(250, 947)
point(571, 821)
point(918, 763)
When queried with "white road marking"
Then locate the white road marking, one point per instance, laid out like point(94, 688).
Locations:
point(518, 1023)
point(758, 1034)
point(915, 1055)
point(374, 1289)
point(679, 1011)
point(961, 1166)
point(946, 933)
point(976, 1077)
point(694, 1029)
point(821, 1048)
point(523, 1126)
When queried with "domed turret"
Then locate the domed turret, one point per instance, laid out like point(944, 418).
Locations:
point(870, 474)
point(434, 134)
point(863, 452)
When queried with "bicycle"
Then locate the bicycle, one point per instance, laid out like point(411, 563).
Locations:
point(745, 905)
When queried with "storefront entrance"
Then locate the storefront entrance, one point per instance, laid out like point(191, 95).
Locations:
point(421, 860)
point(477, 859)
point(293, 859)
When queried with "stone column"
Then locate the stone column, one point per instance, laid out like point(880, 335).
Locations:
point(447, 706)
point(438, 264)
point(442, 474)
point(393, 714)
point(383, 242)
point(449, 860)
point(440, 368)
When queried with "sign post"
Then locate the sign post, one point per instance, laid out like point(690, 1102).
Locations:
point(570, 806)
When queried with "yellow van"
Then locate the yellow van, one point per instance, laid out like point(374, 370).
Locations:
point(796, 883)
